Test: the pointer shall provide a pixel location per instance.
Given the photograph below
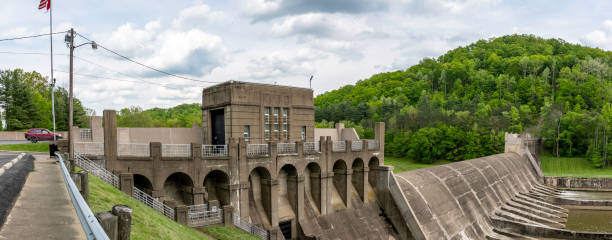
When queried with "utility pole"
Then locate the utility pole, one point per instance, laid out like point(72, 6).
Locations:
point(53, 107)
point(70, 141)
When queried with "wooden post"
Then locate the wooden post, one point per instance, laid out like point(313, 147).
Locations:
point(124, 222)
point(84, 178)
point(108, 221)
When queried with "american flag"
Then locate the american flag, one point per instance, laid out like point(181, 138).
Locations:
point(44, 4)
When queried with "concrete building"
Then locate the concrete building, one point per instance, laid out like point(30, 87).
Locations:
point(258, 154)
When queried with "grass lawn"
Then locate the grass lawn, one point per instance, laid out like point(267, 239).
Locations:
point(146, 222)
point(572, 167)
point(406, 164)
point(26, 147)
point(227, 233)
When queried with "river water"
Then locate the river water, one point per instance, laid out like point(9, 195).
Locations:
point(590, 220)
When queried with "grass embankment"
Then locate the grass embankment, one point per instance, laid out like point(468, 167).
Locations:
point(146, 222)
point(572, 167)
point(406, 164)
point(228, 233)
point(26, 147)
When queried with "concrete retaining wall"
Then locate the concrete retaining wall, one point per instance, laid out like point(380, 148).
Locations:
point(579, 183)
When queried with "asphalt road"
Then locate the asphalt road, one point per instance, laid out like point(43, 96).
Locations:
point(12, 180)
point(6, 142)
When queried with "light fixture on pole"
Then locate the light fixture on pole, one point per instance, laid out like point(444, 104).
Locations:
point(69, 40)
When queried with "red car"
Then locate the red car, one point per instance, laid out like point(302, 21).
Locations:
point(37, 134)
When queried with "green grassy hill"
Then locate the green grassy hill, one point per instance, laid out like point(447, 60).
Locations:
point(148, 223)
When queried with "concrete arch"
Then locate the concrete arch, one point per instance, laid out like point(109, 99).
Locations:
point(357, 178)
point(340, 184)
point(260, 196)
point(372, 164)
point(287, 192)
point(312, 184)
point(178, 187)
point(216, 184)
point(143, 183)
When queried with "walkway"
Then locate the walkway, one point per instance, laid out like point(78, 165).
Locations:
point(44, 209)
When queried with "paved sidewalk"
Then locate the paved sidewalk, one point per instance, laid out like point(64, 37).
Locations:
point(44, 209)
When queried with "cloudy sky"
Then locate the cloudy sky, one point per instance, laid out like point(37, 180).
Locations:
point(268, 41)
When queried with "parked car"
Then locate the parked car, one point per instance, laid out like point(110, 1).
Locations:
point(37, 134)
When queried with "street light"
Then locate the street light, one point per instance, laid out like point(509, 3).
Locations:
point(69, 40)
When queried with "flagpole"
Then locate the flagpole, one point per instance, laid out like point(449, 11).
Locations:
point(52, 79)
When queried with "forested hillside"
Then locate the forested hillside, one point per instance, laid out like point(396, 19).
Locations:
point(25, 98)
point(459, 105)
point(183, 115)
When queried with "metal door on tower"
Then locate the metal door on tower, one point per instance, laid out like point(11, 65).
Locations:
point(217, 121)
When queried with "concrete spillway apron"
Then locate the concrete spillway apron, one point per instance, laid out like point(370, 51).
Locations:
point(44, 209)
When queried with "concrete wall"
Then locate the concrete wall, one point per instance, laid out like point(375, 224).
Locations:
point(163, 135)
point(244, 103)
point(579, 183)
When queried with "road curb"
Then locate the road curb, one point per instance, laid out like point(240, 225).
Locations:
point(11, 163)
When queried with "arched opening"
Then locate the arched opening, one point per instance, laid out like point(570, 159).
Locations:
point(217, 187)
point(288, 199)
point(357, 178)
point(177, 188)
point(340, 184)
point(260, 194)
point(312, 186)
point(141, 182)
point(372, 164)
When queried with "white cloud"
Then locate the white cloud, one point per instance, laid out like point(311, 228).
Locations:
point(321, 25)
point(600, 38)
point(270, 9)
point(196, 17)
point(280, 64)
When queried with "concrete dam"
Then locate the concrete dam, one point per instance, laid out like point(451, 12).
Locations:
point(502, 196)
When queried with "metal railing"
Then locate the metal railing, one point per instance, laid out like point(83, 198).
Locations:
point(176, 150)
point(96, 170)
point(257, 149)
point(153, 203)
point(312, 147)
point(133, 149)
point(214, 150)
point(373, 144)
point(250, 228)
point(357, 145)
point(200, 216)
point(85, 133)
point(285, 148)
point(88, 220)
point(89, 148)
point(112, 179)
point(338, 146)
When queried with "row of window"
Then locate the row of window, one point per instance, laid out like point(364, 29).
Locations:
point(247, 133)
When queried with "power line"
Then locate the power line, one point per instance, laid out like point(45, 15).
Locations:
point(33, 36)
point(124, 74)
point(116, 79)
point(144, 65)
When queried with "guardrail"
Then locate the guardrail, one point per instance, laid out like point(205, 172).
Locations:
point(96, 170)
point(286, 148)
point(88, 220)
point(89, 148)
point(373, 144)
point(152, 202)
point(200, 216)
point(176, 150)
point(312, 147)
point(134, 149)
point(85, 133)
point(339, 146)
point(357, 145)
point(257, 149)
point(214, 150)
point(250, 228)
